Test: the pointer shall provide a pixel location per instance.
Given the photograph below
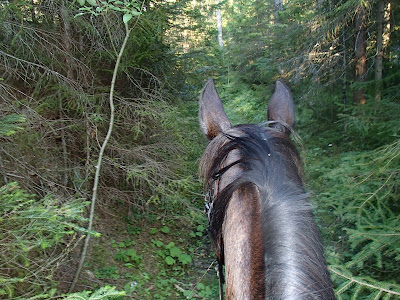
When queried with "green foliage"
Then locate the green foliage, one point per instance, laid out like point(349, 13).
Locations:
point(200, 231)
point(201, 290)
point(129, 8)
point(360, 191)
point(30, 228)
point(10, 124)
point(133, 229)
point(128, 256)
point(356, 287)
point(370, 126)
point(106, 292)
point(172, 255)
point(165, 229)
point(57, 71)
point(107, 272)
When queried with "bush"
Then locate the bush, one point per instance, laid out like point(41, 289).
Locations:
point(31, 230)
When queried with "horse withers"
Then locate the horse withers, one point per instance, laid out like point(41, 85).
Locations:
point(260, 220)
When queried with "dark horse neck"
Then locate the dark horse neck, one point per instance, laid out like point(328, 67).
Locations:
point(293, 252)
point(261, 215)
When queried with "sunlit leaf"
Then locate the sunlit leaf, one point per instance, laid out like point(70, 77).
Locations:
point(135, 12)
point(127, 17)
point(92, 2)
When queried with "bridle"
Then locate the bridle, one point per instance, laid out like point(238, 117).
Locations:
point(209, 206)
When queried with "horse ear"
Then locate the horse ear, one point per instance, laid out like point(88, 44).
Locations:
point(281, 108)
point(213, 119)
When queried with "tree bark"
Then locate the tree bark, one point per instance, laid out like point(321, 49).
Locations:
point(360, 54)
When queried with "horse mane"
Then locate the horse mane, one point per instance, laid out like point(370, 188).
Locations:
point(293, 253)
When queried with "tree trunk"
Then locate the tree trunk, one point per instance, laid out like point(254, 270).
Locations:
point(360, 54)
point(344, 67)
point(379, 50)
point(278, 6)
point(219, 28)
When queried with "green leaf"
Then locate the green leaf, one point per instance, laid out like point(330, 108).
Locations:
point(92, 2)
point(81, 2)
point(165, 229)
point(78, 15)
point(175, 252)
point(169, 260)
point(200, 228)
point(158, 243)
point(126, 18)
point(185, 259)
point(131, 253)
point(201, 286)
point(170, 245)
point(135, 12)
point(188, 294)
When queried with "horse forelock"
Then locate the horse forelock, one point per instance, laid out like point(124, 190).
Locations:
point(292, 248)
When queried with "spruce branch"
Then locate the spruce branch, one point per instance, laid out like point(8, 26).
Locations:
point(360, 282)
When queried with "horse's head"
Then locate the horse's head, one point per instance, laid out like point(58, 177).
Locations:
point(230, 146)
point(261, 222)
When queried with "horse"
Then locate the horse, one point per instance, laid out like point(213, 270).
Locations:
point(260, 219)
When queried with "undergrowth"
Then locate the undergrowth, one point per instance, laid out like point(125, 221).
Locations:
point(155, 258)
point(357, 193)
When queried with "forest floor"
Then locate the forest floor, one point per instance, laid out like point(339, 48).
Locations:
point(147, 255)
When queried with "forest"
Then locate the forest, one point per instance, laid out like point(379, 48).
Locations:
point(100, 141)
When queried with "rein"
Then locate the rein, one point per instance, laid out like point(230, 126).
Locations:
point(209, 205)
